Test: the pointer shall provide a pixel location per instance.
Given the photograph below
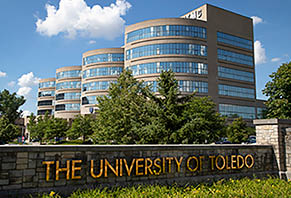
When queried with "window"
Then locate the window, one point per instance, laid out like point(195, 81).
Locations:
point(260, 112)
point(228, 90)
point(177, 67)
point(102, 71)
point(68, 96)
point(99, 85)
point(236, 74)
point(46, 93)
point(116, 57)
point(234, 40)
point(234, 57)
point(45, 103)
point(68, 107)
point(242, 111)
point(47, 84)
point(166, 48)
point(43, 112)
point(166, 30)
point(68, 85)
point(69, 74)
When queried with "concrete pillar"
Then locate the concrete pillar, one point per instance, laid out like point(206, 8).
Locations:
point(276, 132)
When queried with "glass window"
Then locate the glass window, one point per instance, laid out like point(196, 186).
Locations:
point(47, 84)
point(260, 112)
point(242, 111)
point(69, 74)
point(45, 103)
point(102, 71)
point(46, 93)
point(234, 40)
point(42, 112)
point(98, 85)
point(116, 57)
point(68, 96)
point(228, 90)
point(90, 99)
point(166, 48)
point(236, 74)
point(234, 57)
point(68, 85)
point(166, 30)
point(68, 107)
point(177, 67)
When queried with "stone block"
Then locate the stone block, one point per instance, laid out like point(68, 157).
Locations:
point(29, 172)
point(29, 185)
point(15, 180)
point(21, 161)
point(32, 164)
point(12, 187)
point(4, 182)
point(43, 183)
point(8, 166)
point(15, 173)
point(61, 182)
point(27, 179)
point(21, 166)
point(52, 154)
point(22, 155)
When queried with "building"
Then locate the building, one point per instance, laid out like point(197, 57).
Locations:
point(209, 49)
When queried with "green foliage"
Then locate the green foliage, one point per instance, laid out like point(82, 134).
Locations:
point(46, 127)
point(9, 104)
point(232, 188)
point(238, 131)
point(132, 114)
point(81, 127)
point(8, 131)
point(279, 92)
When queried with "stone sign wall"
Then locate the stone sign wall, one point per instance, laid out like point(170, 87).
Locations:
point(63, 169)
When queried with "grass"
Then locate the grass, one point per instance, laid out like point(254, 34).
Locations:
point(271, 187)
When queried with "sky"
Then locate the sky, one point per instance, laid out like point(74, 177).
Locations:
point(39, 36)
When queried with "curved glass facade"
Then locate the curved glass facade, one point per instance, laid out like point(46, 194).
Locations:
point(47, 84)
point(89, 100)
point(46, 93)
point(167, 48)
point(68, 85)
point(234, 40)
point(68, 96)
point(167, 30)
point(68, 107)
point(99, 85)
point(178, 67)
point(184, 86)
point(116, 57)
point(242, 111)
point(236, 91)
point(45, 103)
point(234, 57)
point(69, 74)
point(236, 74)
point(43, 112)
point(102, 71)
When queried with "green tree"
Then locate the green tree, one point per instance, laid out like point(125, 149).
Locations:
point(279, 92)
point(123, 114)
point(9, 105)
point(8, 131)
point(238, 131)
point(81, 127)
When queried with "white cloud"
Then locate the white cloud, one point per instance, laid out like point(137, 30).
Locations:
point(260, 53)
point(24, 91)
point(276, 59)
point(75, 17)
point(27, 80)
point(2, 74)
point(25, 113)
point(11, 83)
point(92, 42)
point(257, 20)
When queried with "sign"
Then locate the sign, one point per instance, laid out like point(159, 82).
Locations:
point(195, 14)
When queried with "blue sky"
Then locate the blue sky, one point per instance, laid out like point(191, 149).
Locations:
point(30, 50)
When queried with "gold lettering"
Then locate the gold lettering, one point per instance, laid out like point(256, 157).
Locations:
point(58, 170)
point(178, 163)
point(75, 169)
point(233, 161)
point(137, 166)
point(120, 168)
point(92, 169)
point(242, 160)
point(107, 164)
point(158, 166)
point(211, 157)
point(188, 164)
point(252, 161)
point(148, 167)
point(200, 160)
point(226, 162)
point(128, 170)
point(164, 165)
point(216, 162)
point(48, 163)
point(170, 163)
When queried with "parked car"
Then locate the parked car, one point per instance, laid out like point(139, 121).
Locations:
point(223, 140)
point(252, 139)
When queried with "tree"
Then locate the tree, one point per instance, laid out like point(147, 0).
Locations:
point(8, 131)
point(238, 131)
point(279, 92)
point(81, 127)
point(9, 105)
point(123, 114)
